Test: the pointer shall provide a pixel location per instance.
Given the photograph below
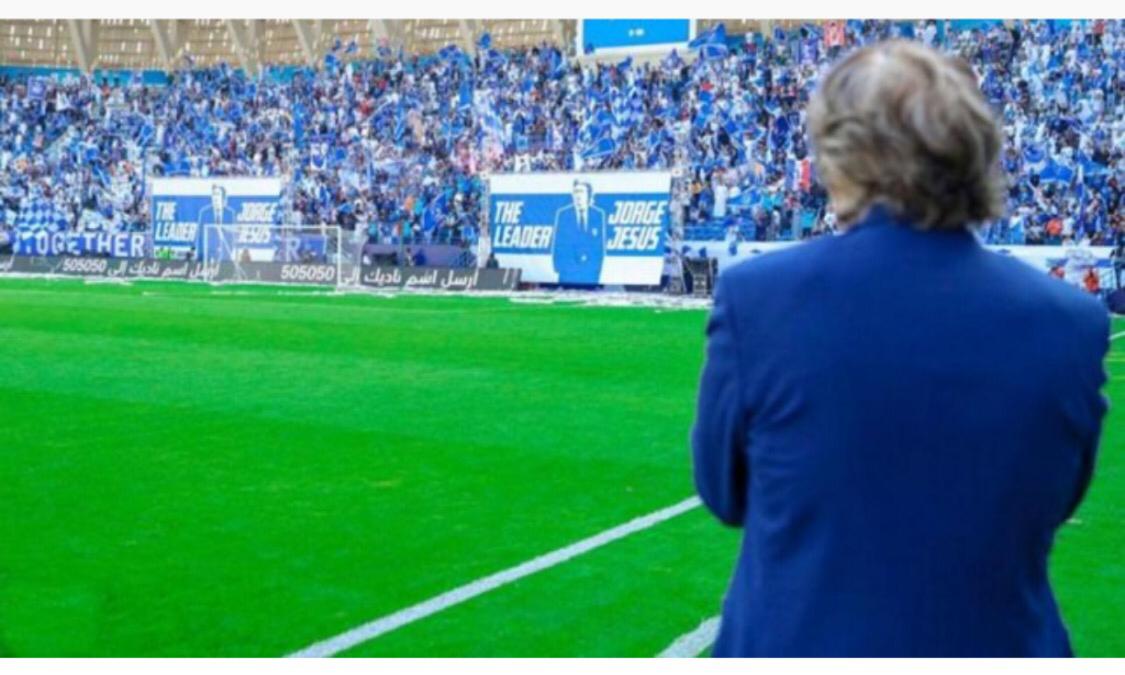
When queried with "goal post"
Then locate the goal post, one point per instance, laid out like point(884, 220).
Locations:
point(245, 250)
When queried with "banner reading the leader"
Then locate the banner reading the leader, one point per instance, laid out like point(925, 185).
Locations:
point(183, 207)
point(581, 228)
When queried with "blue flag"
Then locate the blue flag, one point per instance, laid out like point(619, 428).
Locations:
point(714, 51)
point(449, 53)
point(465, 95)
point(602, 147)
point(496, 58)
point(558, 68)
point(1056, 173)
point(715, 35)
point(711, 43)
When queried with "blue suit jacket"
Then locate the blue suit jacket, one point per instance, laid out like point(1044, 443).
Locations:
point(899, 421)
point(578, 251)
point(207, 216)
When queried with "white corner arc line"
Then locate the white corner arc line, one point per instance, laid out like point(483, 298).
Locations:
point(690, 645)
point(381, 626)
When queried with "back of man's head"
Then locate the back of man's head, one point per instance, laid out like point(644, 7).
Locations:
point(904, 125)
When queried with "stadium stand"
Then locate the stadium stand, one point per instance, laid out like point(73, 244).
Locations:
point(395, 140)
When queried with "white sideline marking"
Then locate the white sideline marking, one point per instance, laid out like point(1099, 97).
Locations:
point(1118, 335)
point(375, 628)
point(690, 645)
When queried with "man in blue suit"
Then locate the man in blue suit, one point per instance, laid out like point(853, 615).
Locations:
point(579, 243)
point(218, 213)
point(898, 419)
point(217, 242)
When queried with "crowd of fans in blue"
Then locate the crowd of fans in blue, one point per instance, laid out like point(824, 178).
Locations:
point(400, 144)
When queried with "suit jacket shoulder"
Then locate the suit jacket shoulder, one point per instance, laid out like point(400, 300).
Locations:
point(1051, 294)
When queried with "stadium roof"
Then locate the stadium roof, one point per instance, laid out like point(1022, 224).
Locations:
point(138, 44)
point(132, 44)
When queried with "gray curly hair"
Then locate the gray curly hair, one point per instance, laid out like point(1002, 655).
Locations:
point(904, 125)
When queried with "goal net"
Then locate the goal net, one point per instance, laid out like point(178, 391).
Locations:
point(319, 254)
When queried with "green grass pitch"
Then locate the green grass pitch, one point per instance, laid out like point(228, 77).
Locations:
point(188, 470)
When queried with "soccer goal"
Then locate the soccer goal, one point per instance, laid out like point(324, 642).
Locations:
point(317, 254)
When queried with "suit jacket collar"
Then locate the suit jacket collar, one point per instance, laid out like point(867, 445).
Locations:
point(881, 216)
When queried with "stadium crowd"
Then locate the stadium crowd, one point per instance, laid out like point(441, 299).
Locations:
point(399, 144)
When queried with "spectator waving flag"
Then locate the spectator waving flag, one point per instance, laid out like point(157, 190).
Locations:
point(1057, 173)
point(495, 59)
point(716, 33)
point(450, 53)
point(433, 214)
point(600, 148)
point(711, 43)
point(798, 174)
point(607, 118)
point(1034, 158)
point(1090, 168)
point(400, 127)
point(673, 60)
point(465, 95)
point(558, 69)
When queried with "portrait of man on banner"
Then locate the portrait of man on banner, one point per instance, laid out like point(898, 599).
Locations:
point(579, 244)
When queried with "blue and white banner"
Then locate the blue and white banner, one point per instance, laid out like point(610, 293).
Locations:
point(47, 243)
point(41, 214)
point(251, 242)
point(181, 207)
point(581, 228)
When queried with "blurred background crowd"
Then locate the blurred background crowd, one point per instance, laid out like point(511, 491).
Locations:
point(399, 146)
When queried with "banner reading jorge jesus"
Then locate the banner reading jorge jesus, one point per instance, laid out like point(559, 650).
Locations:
point(581, 228)
point(183, 207)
